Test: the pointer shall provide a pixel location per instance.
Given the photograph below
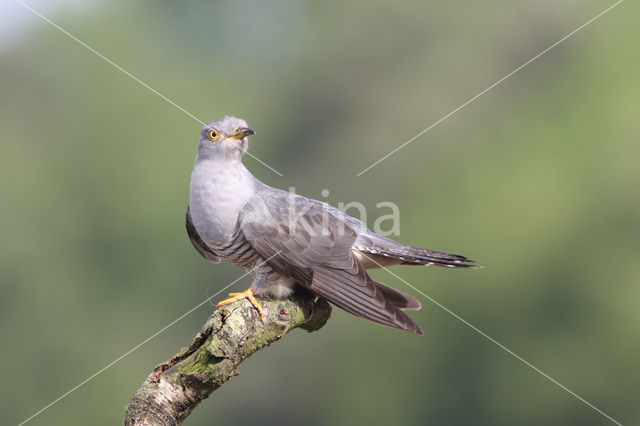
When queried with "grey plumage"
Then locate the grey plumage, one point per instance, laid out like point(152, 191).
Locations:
point(287, 240)
point(197, 242)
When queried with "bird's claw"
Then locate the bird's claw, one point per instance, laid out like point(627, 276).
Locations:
point(247, 294)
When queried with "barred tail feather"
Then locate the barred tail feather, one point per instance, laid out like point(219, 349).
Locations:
point(407, 255)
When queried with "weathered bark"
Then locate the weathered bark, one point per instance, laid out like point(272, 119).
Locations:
point(230, 335)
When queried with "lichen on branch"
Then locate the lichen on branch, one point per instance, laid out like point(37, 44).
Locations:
point(230, 335)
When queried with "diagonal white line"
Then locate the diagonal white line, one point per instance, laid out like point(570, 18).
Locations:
point(500, 345)
point(127, 73)
point(91, 377)
point(425, 130)
point(377, 162)
point(262, 162)
point(44, 18)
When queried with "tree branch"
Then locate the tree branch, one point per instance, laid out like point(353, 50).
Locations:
point(230, 335)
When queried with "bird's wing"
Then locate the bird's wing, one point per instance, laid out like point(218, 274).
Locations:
point(197, 242)
point(296, 234)
point(311, 242)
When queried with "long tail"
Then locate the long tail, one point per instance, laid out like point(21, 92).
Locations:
point(407, 255)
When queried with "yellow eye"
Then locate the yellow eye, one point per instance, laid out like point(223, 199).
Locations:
point(213, 135)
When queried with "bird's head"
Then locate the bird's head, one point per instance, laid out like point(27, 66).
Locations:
point(224, 138)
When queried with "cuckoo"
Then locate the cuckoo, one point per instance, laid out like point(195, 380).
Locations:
point(286, 240)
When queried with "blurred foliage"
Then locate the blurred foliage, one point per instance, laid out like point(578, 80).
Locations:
point(537, 180)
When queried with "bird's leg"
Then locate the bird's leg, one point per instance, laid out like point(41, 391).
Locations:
point(247, 294)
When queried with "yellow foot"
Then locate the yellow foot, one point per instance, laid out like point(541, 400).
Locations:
point(247, 294)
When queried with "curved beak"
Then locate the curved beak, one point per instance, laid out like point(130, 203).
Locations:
point(242, 132)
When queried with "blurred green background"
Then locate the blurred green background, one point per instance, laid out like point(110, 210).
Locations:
point(537, 179)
